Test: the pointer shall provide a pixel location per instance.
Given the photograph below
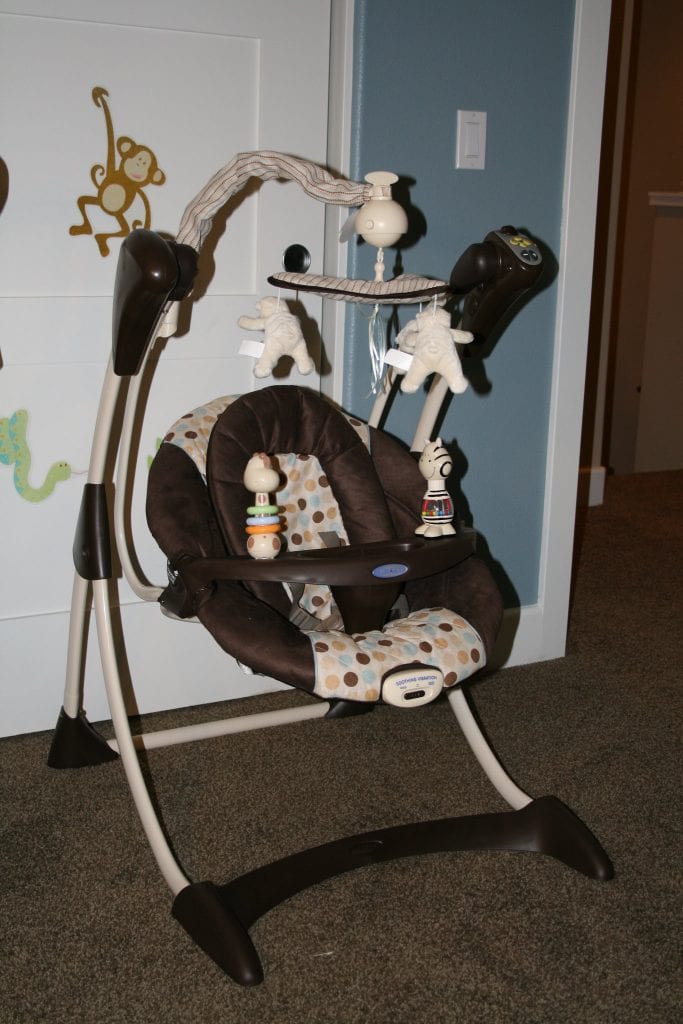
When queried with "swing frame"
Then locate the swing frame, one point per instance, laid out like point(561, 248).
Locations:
point(153, 276)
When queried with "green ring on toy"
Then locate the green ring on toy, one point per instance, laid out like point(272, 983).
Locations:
point(262, 510)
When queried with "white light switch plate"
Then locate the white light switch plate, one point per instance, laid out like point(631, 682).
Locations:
point(470, 147)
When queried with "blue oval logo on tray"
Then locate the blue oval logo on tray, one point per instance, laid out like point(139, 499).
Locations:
point(389, 570)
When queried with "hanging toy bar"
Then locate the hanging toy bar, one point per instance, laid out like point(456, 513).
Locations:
point(381, 221)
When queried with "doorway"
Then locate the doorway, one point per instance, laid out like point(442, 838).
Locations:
point(632, 414)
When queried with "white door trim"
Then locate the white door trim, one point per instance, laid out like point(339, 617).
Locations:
point(542, 628)
point(339, 116)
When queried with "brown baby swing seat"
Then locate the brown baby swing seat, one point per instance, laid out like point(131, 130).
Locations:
point(372, 494)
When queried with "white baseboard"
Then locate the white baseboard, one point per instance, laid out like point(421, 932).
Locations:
point(523, 640)
point(173, 665)
point(591, 485)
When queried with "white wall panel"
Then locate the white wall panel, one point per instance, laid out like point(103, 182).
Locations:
point(196, 84)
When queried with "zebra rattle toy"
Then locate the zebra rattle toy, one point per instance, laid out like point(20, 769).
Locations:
point(437, 505)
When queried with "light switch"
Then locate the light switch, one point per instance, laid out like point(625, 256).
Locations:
point(470, 147)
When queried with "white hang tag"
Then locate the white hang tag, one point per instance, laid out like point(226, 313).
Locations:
point(395, 357)
point(349, 227)
point(249, 347)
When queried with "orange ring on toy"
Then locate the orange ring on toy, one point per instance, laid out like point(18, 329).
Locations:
point(275, 528)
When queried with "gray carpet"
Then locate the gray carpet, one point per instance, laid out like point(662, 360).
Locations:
point(85, 927)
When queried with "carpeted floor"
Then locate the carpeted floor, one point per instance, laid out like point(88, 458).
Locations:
point(85, 927)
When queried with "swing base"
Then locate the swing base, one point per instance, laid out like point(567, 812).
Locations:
point(218, 918)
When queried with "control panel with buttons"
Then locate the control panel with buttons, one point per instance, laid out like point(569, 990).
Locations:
point(495, 273)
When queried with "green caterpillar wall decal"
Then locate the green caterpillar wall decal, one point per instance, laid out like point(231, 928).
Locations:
point(14, 451)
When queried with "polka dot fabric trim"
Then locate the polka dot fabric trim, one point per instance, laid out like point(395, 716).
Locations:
point(309, 508)
point(307, 502)
point(351, 667)
point(193, 430)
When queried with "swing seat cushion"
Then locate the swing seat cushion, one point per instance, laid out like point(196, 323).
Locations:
point(352, 667)
point(340, 477)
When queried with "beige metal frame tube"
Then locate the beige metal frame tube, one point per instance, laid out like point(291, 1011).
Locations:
point(226, 726)
point(493, 769)
point(168, 865)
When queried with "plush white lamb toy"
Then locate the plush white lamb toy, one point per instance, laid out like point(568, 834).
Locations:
point(430, 340)
point(282, 336)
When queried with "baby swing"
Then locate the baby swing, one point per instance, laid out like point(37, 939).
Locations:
point(350, 583)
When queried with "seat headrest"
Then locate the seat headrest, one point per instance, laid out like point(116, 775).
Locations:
point(283, 420)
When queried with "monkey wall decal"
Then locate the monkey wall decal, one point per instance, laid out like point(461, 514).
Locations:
point(118, 186)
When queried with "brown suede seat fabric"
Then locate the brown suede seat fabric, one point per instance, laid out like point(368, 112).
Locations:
point(291, 419)
point(378, 493)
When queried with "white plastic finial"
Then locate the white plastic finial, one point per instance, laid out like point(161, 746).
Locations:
point(381, 182)
point(381, 221)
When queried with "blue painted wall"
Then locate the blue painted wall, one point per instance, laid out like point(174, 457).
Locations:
point(415, 65)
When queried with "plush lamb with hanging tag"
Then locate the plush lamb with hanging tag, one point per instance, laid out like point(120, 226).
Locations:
point(430, 340)
point(282, 336)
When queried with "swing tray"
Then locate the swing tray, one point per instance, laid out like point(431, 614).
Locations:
point(372, 564)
